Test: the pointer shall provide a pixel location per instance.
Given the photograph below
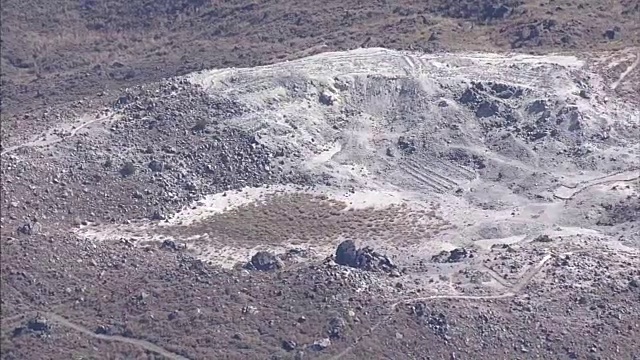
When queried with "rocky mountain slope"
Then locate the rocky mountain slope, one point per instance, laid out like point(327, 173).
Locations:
point(60, 51)
point(364, 203)
point(479, 185)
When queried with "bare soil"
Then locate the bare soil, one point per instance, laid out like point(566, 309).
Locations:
point(62, 51)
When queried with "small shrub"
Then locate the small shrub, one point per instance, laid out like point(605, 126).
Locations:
point(128, 169)
point(200, 125)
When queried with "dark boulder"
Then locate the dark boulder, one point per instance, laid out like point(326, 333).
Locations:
point(264, 261)
point(39, 324)
point(289, 345)
point(455, 255)
point(346, 253)
point(29, 229)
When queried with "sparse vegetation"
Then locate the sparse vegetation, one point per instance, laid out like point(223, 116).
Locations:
point(128, 169)
point(108, 44)
point(279, 220)
point(200, 125)
point(570, 296)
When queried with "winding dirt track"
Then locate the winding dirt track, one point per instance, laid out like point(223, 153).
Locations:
point(515, 290)
point(630, 68)
point(141, 343)
point(42, 143)
point(572, 191)
point(57, 319)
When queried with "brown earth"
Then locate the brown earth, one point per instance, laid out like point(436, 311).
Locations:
point(67, 298)
point(60, 51)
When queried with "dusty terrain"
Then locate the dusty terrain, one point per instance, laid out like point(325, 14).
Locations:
point(61, 51)
point(493, 196)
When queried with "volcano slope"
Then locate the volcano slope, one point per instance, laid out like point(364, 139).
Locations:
point(503, 191)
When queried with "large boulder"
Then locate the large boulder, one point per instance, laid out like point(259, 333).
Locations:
point(453, 256)
point(346, 253)
point(264, 261)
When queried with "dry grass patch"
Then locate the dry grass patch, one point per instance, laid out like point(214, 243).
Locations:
point(303, 218)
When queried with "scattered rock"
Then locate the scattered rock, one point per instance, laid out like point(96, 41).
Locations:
point(158, 215)
point(107, 164)
point(478, 11)
point(289, 345)
point(613, 33)
point(264, 261)
point(543, 238)
point(487, 109)
point(366, 258)
point(436, 321)
point(249, 309)
point(200, 125)
point(327, 98)
point(143, 295)
point(322, 344)
point(537, 107)
point(294, 255)
point(455, 255)
point(470, 97)
point(226, 160)
point(172, 246)
point(29, 228)
point(584, 94)
point(39, 324)
point(128, 169)
point(20, 330)
point(390, 152)
point(156, 166)
point(123, 100)
point(406, 145)
point(102, 330)
point(337, 326)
